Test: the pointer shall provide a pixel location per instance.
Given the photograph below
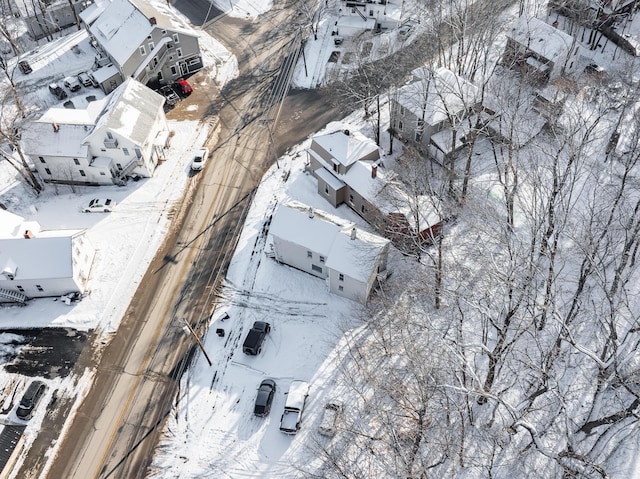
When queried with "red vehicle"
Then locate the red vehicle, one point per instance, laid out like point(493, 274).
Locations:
point(185, 88)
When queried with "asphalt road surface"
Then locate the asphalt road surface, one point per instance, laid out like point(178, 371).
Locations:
point(117, 425)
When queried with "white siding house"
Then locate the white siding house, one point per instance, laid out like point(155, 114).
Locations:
point(37, 264)
point(114, 137)
point(328, 247)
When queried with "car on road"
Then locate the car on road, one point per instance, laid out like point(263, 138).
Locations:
point(184, 86)
point(84, 78)
point(170, 95)
point(200, 159)
point(266, 391)
point(24, 67)
point(330, 417)
point(58, 92)
point(72, 83)
point(30, 399)
point(100, 205)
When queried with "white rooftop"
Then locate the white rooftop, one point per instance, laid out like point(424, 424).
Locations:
point(14, 226)
point(540, 37)
point(41, 139)
point(345, 145)
point(436, 95)
point(356, 257)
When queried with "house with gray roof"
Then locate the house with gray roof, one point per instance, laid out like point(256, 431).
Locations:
point(123, 134)
point(351, 261)
point(134, 40)
point(36, 263)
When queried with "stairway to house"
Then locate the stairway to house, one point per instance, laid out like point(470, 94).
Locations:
point(13, 296)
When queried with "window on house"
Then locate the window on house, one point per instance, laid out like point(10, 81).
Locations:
point(402, 110)
point(142, 50)
point(119, 166)
point(39, 287)
point(340, 288)
point(341, 277)
point(179, 52)
point(41, 159)
point(149, 37)
point(160, 77)
point(363, 209)
point(151, 46)
point(20, 288)
point(351, 199)
point(82, 173)
point(400, 126)
point(335, 167)
point(125, 151)
point(174, 71)
point(109, 135)
point(48, 171)
point(322, 259)
point(316, 268)
point(326, 189)
point(164, 32)
point(371, 13)
point(102, 173)
point(176, 38)
point(418, 136)
point(309, 254)
point(76, 161)
point(353, 10)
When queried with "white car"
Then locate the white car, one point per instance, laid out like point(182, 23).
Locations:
point(330, 416)
point(84, 78)
point(100, 205)
point(72, 83)
point(200, 159)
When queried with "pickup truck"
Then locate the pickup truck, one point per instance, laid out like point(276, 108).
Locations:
point(253, 342)
point(292, 415)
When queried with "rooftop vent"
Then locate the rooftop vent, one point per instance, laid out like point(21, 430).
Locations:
point(310, 212)
point(353, 233)
point(346, 132)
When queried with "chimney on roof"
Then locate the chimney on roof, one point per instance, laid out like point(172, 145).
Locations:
point(374, 170)
point(28, 234)
point(353, 233)
point(153, 21)
point(310, 212)
point(55, 126)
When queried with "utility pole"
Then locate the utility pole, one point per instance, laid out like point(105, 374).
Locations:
point(189, 330)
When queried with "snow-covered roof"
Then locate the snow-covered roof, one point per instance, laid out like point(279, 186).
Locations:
point(346, 146)
point(328, 178)
point(41, 257)
point(104, 73)
point(131, 111)
point(93, 11)
point(74, 116)
point(330, 236)
point(307, 227)
point(120, 29)
point(14, 226)
point(436, 95)
point(540, 37)
point(355, 255)
point(41, 139)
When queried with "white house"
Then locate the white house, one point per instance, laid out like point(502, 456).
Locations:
point(135, 40)
point(36, 263)
point(540, 49)
point(433, 101)
point(124, 133)
point(359, 15)
point(349, 259)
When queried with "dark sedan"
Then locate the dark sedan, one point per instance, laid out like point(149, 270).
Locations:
point(266, 391)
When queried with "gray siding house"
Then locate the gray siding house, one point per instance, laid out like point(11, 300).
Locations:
point(133, 40)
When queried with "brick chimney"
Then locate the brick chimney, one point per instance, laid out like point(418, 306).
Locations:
point(153, 21)
point(374, 171)
point(28, 234)
point(55, 126)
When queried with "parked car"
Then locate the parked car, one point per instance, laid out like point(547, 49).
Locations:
point(330, 416)
point(200, 159)
point(58, 92)
point(24, 67)
point(100, 205)
point(296, 399)
point(30, 399)
point(253, 342)
point(170, 95)
point(184, 85)
point(94, 82)
point(84, 78)
point(72, 83)
point(266, 391)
